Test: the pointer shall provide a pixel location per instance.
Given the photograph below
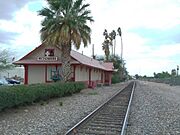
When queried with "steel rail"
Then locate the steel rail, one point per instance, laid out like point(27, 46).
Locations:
point(123, 132)
point(73, 129)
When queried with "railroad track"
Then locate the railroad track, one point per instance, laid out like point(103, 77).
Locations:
point(108, 119)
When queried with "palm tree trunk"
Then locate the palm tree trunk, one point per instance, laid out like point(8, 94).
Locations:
point(122, 71)
point(114, 47)
point(66, 65)
point(121, 48)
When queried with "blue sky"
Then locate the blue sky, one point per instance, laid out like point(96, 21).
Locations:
point(150, 30)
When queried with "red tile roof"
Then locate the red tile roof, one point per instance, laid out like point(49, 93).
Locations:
point(79, 59)
point(85, 60)
point(108, 65)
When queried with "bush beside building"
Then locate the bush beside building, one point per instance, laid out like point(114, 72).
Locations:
point(11, 96)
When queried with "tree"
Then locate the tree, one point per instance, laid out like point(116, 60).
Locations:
point(120, 34)
point(113, 37)
point(173, 72)
point(117, 63)
point(120, 68)
point(5, 60)
point(162, 75)
point(100, 57)
point(105, 47)
point(107, 43)
point(137, 76)
point(155, 75)
point(64, 25)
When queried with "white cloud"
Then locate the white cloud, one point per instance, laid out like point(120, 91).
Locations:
point(129, 14)
point(147, 66)
point(154, 14)
point(140, 57)
point(166, 51)
point(27, 24)
point(30, 25)
point(156, 59)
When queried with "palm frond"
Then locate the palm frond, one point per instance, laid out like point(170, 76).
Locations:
point(65, 23)
point(54, 5)
point(84, 7)
point(77, 5)
point(46, 12)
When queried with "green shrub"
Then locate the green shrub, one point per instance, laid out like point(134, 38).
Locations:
point(116, 79)
point(11, 96)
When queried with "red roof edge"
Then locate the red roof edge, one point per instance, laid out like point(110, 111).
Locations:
point(38, 47)
point(108, 65)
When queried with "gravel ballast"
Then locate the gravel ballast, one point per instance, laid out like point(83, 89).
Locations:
point(56, 115)
point(155, 110)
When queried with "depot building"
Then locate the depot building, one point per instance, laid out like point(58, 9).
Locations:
point(44, 62)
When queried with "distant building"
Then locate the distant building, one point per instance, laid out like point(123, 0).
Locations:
point(44, 62)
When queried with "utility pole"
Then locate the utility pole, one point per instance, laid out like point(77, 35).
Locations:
point(93, 52)
point(177, 70)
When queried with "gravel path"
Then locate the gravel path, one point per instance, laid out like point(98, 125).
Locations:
point(56, 116)
point(155, 110)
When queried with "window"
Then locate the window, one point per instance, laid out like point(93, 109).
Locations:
point(50, 68)
point(49, 52)
point(53, 73)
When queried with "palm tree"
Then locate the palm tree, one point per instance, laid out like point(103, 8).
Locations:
point(107, 42)
point(105, 47)
point(120, 34)
point(64, 25)
point(113, 37)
